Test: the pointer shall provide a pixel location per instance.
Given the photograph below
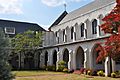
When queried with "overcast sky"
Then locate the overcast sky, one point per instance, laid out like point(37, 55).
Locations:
point(42, 12)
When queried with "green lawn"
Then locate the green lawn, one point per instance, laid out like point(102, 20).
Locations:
point(45, 75)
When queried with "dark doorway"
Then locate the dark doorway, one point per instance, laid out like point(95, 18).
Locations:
point(66, 57)
point(54, 57)
point(46, 58)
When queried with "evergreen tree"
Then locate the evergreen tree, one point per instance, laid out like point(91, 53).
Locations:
point(5, 70)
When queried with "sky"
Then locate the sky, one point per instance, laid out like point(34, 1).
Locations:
point(42, 12)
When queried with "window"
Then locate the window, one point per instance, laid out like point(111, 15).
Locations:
point(56, 34)
point(63, 35)
point(94, 26)
point(9, 30)
point(72, 31)
point(82, 30)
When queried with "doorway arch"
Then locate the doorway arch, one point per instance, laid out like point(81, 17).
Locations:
point(54, 57)
point(66, 57)
point(79, 58)
point(46, 58)
point(95, 54)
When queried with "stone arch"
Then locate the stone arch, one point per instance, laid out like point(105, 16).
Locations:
point(66, 56)
point(79, 57)
point(95, 54)
point(54, 57)
point(46, 58)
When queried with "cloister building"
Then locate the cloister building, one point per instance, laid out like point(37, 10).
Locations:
point(73, 38)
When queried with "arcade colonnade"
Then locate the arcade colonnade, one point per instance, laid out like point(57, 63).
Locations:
point(77, 56)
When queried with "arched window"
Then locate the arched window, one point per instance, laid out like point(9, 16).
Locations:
point(56, 34)
point(82, 29)
point(94, 26)
point(63, 34)
point(72, 31)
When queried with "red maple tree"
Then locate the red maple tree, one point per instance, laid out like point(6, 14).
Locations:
point(111, 26)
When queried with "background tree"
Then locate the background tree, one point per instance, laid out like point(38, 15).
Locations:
point(26, 41)
point(5, 70)
point(111, 26)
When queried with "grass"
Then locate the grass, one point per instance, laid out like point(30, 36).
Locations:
point(33, 73)
point(45, 75)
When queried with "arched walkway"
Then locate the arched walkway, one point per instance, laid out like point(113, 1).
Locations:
point(95, 54)
point(79, 58)
point(66, 56)
point(46, 58)
point(54, 57)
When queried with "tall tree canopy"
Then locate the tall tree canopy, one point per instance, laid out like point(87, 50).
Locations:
point(28, 40)
point(111, 26)
point(5, 70)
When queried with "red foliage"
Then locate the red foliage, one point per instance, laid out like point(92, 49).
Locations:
point(112, 26)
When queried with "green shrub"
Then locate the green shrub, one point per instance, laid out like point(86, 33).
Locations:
point(62, 63)
point(51, 68)
point(65, 70)
point(100, 73)
point(113, 75)
point(61, 66)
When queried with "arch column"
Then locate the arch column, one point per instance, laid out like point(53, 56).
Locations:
point(49, 60)
point(74, 60)
point(85, 31)
point(85, 57)
point(58, 59)
point(113, 65)
point(90, 60)
point(70, 67)
point(74, 36)
point(107, 66)
point(98, 28)
point(42, 60)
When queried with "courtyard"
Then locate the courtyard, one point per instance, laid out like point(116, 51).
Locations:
point(46, 75)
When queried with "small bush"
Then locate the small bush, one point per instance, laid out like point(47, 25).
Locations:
point(51, 68)
point(89, 72)
point(113, 75)
point(61, 66)
point(100, 73)
point(61, 63)
point(65, 70)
